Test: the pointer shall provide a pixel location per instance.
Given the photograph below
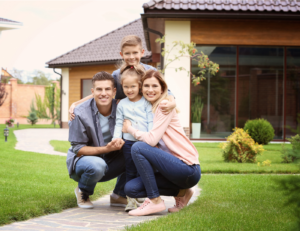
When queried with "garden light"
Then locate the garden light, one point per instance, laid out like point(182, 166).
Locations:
point(6, 132)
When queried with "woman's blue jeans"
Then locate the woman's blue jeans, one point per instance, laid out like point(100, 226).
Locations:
point(173, 174)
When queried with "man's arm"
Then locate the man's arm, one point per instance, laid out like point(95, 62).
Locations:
point(114, 145)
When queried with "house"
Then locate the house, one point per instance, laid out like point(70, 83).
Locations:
point(4, 75)
point(257, 45)
point(79, 65)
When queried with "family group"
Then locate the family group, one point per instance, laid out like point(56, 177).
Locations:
point(128, 129)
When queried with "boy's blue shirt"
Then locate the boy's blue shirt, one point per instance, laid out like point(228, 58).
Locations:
point(120, 93)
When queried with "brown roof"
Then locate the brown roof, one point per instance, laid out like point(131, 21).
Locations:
point(224, 5)
point(4, 20)
point(105, 49)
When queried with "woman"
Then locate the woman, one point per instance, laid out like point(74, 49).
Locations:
point(172, 168)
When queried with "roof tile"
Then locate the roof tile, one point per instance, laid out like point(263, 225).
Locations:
point(236, 5)
point(104, 48)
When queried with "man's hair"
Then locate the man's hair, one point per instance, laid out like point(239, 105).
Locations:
point(131, 40)
point(102, 75)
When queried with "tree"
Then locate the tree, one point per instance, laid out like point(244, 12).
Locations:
point(32, 118)
point(39, 78)
point(3, 94)
point(18, 74)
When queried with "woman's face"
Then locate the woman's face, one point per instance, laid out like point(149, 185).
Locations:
point(152, 89)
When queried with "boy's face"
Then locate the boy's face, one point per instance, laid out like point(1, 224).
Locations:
point(132, 54)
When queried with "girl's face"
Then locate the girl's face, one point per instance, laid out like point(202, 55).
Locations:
point(152, 89)
point(131, 88)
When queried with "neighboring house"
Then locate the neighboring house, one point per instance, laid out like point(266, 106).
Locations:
point(7, 24)
point(5, 75)
point(79, 65)
point(256, 43)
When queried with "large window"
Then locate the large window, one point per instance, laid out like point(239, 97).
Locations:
point(292, 90)
point(216, 94)
point(86, 87)
point(252, 83)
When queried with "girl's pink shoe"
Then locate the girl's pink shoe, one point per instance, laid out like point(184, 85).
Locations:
point(181, 202)
point(148, 207)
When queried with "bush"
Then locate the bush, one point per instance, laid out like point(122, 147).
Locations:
point(260, 130)
point(32, 118)
point(240, 148)
point(293, 155)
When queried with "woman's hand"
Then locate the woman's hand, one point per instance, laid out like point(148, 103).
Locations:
point(71, 111)
point(126, 125)
point(167, 105)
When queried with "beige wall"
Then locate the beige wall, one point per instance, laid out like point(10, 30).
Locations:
point(179, 82)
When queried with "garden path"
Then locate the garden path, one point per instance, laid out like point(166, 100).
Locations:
point(37, 140)
point(102, 217)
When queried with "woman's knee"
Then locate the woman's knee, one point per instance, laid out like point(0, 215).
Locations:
point(137, 147)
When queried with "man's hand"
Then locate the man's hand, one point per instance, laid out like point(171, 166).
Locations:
point(115, 145)
point(71, 111)
point(126, 125)
point(167, 105)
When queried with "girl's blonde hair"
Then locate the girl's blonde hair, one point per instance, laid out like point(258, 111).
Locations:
point(156, 74)
point(137, 71)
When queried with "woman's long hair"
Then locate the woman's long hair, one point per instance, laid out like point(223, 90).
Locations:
point(156, 74)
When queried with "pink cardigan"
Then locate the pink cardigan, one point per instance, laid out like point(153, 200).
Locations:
point(168, 128)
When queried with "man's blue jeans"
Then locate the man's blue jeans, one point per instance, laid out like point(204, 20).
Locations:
point(89, 170)
point(173, 174)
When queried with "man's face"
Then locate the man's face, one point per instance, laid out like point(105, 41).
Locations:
point(103, 92)
point(132, 54)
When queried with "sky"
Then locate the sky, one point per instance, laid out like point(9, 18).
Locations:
point(52, 28)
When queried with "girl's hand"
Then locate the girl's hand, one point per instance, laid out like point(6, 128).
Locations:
point(71, 111)
point(126, 125)
point(167, 105)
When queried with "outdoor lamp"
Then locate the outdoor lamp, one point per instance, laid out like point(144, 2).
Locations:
point(6, 132)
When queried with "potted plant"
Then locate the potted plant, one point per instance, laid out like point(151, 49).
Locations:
point(197, 107)
point(10, 122)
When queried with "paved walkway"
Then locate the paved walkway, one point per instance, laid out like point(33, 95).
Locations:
point(37, 140)
point(102, 217)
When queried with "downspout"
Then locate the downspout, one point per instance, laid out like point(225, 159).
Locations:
point(161, 45)
point(146, 34)
point(60, 123)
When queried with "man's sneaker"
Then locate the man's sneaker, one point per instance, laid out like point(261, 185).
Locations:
point(83, 200)
point(148, 207)
point(181, 202)
point(139, 201)
point(131, 204)
point(117, 201)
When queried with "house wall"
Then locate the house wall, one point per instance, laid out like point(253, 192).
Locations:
point(179, 82)
point(245, 32)
point(18, 101)
point(65, 97)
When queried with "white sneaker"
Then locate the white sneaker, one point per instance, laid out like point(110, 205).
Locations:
point(131, 204)
point(83, 200)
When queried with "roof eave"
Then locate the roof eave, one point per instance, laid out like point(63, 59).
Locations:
point(66, 65)
point(154, 13)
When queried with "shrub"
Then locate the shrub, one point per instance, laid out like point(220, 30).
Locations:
point(32, 118)
point(240, 148)
point(291, 155)
point(260, 130)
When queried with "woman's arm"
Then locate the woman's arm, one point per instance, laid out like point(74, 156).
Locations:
point(159, 128)
point(75, 104)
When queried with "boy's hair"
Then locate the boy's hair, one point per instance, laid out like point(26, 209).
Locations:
point(102, 75)
point(135, 71)
point(131, 40)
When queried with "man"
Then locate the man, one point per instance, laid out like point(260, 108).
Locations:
point(93, 157)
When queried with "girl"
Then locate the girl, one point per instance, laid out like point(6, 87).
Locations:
point(176, 160)
point(136, 109)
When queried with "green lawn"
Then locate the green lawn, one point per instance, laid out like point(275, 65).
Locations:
point(211, 160)
point(33, 184)
point(60, 146)
point(231, 202)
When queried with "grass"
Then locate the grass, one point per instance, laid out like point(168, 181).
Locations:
point(60, 146)
point(33, 184)
point(211, 160)
point(231, 202)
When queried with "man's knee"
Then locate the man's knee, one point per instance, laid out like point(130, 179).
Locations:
point(94, 167)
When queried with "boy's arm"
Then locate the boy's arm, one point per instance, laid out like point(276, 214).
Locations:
point(119, 121)
point(71, 110)
point(168, 105)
